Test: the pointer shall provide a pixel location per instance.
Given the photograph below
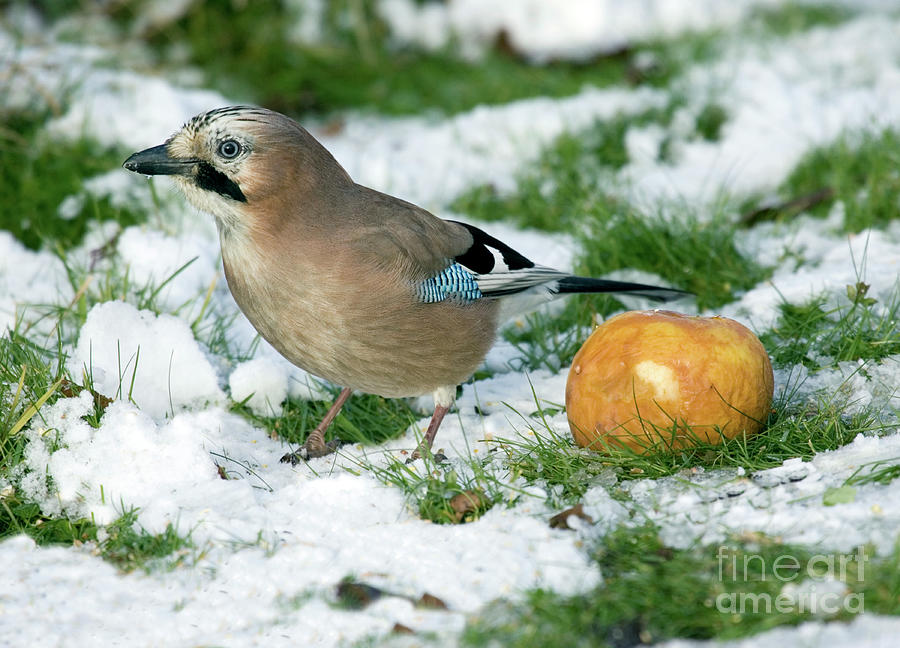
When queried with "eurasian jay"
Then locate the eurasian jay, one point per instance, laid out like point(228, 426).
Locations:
point(360, 288)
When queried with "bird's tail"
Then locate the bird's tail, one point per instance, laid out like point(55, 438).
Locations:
point(574, 284)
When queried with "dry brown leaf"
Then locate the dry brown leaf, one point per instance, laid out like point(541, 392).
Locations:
point(561, 520)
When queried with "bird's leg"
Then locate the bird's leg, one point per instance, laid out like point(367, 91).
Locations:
point(315, 445)
point(443, 399)
point(431, 432)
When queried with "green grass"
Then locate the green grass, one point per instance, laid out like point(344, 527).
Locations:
point(693, 254)
point(709, 122)
point(444, 493)
point(108, 279)
point(129, 547)
point(883, 471)
point(863, 171)
point(564, 191)
point(365, 418)
point(816, 334)
point(549, 340)
point(652, 592)
point(120, 542)
point(37, 174)
point(19, 516)
point(796, 17)
point(567, 182)
point(33, 375)
point(30, 376)
point(541, 455)
point(564, 185)
point(114, 283)
point(245, 50)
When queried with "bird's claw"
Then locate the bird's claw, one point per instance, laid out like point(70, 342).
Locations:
point(311, 451)
point(438, 457)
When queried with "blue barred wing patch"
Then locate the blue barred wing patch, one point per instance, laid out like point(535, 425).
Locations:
point(454, 282)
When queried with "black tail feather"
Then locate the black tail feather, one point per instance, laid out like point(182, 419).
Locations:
point(588, 285)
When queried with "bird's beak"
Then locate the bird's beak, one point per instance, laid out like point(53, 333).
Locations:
point(157, 161)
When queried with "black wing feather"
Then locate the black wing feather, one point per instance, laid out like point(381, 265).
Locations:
point(480, 259)
point(521, 274)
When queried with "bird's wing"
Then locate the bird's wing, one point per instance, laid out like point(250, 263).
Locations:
point(490, 268)
point(498, 269)
point(392, 233)
point(441, 259)
point(487, 267)
point(448, 260)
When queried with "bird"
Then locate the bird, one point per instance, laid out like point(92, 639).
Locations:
point(365, 290)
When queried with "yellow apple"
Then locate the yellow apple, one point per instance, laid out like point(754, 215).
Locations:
point(653, 380)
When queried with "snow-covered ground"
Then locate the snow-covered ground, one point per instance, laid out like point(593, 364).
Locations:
point(277, 539)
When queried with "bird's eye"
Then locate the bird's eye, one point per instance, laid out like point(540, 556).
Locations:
point(229, 149)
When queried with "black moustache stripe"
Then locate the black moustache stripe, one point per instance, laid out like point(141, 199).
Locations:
point(213, 180)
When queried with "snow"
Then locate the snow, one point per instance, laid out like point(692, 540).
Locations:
point(784, 502)
point(782, 99)
point(263, 383)
point(273, 540)
point(432, 162)
point(151, 359)
point(543, 30)
point(865, 630)
point(28, 278)
point(269, 533)
point(103, 102)
point(832, 263)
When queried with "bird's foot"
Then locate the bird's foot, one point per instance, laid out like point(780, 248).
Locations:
point(427, 441)
point(310, 450)
point(315, 445)
point(423, 450)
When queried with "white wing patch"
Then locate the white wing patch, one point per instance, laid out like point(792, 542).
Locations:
point(499, 263)
point(503, 281)
point(499, 270)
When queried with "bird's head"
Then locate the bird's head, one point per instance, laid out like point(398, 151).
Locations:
point(242, 164)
